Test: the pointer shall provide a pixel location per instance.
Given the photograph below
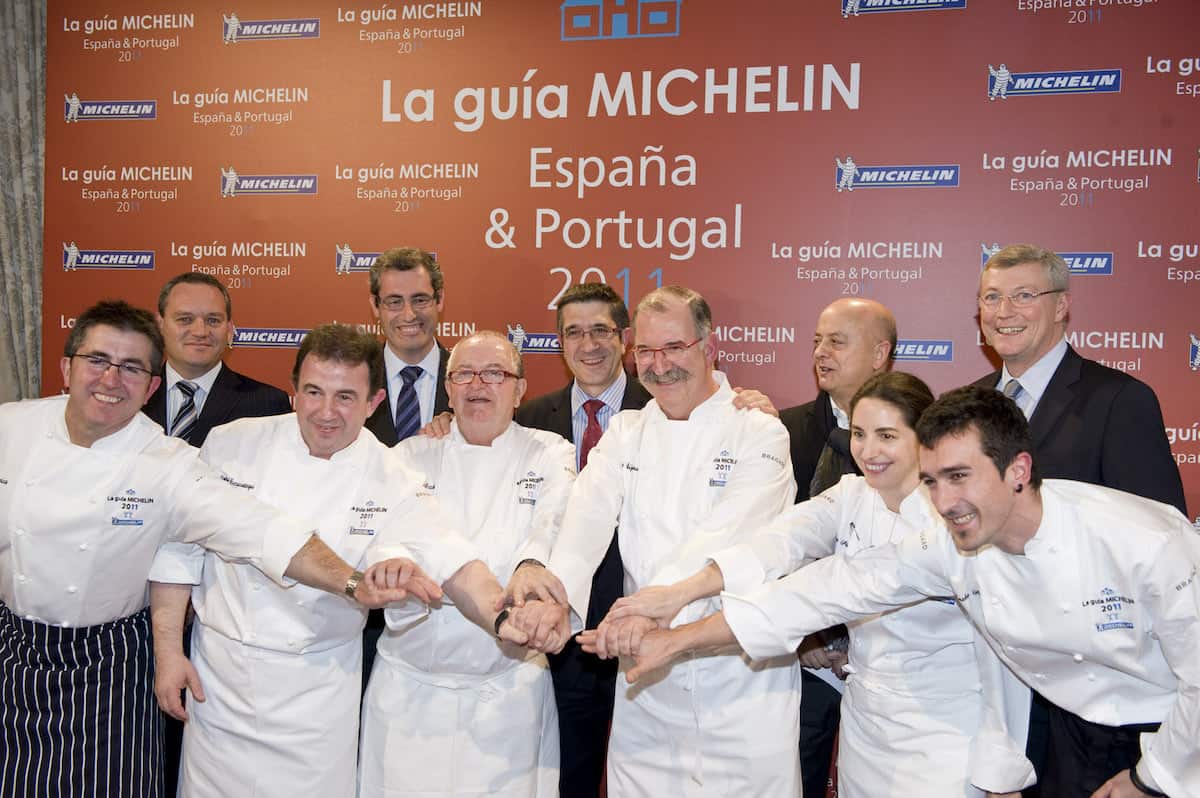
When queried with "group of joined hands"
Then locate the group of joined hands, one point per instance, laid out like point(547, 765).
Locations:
point(533, 612)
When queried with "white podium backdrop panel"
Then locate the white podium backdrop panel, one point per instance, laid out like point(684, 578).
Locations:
point(773, 155)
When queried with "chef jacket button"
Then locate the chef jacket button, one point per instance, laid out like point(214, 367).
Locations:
point(65, 624)
point(1091, 677)
point(20, 577)
point(83, 547)
point(256, 587)
point(1040, 675)
point(1066, 608)
point(291, 644)
point(299, 602)
point(29, 483)
point(29, 617)
point(20, 532)
point(995, 601)
point(1078, 658)
point(72, 589)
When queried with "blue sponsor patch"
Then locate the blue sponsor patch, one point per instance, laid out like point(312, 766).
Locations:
point(584, 20)
point(122, 259)
point(90, 110)
point(269, 337)
point(897, 176)
point(1085, 263)
point(856, 7)
point(1067, 81)
point(253, 30)
point(910, 350)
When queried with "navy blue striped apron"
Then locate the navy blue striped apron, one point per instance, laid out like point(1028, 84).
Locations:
point(78, 715)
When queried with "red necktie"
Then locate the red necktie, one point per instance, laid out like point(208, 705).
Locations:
point(592, 432)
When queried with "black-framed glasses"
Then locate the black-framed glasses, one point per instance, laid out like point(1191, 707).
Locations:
point(1019, 299)
point(98, 365)
point(671, 351)
point(487, 376)
point(597, 332)
point(418, 302)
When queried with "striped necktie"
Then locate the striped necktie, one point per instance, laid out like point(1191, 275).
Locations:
point(185, 419)
point(408, 409)
point(1014, 391)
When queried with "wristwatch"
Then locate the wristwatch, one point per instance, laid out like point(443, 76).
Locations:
point(352, 583)
point(500, 619)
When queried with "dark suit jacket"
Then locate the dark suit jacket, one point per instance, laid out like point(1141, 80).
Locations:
point(808, 427)
point(381, 422)
point(1099, 425)
point(552, 412)
point(233, 396)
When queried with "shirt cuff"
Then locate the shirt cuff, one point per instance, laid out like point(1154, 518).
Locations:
point(178, 564)
point(281, 541)
point(756, 633)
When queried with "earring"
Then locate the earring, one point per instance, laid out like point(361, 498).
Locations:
point(1019, 488)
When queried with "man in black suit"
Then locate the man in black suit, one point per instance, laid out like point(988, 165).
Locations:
point(198, 391)
point(853, 342)
point(407, 296)
point(1089, 423)
point(592, 325)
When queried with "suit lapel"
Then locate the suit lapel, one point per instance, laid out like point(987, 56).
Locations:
point(559, 417)
point(220, 402)
point(1057, 398)
point(441, 400)
point(156, 408)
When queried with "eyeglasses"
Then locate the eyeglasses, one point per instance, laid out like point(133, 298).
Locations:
point(598, 333)
point(670, 351)
point(487, 376)
point(1021, 299)
point(97, 366)
point(417, 302)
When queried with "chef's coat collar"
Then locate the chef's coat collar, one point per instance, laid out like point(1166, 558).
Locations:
point(131, 437)
point(456, 438)
point(714, 404)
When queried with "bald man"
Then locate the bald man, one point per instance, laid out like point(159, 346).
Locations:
point(853, 342)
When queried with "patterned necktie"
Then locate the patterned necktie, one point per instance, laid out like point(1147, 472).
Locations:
point(185, 419)
point(592, 432)
point(1014, 391)
point(408, 409)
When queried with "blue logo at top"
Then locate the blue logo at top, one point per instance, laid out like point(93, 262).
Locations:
point(619, 19)
point(1078, 263)
point(852, 8)
point(910, 350)
point(234, 30)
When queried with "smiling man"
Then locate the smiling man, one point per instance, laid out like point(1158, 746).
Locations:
point(1089, 422)
point(593, 325)
point(90, 489)
point(451, 710)
point(674, 477)
point(198, 390)
point(407, 297)
point(1087, 594)
point(277, 673)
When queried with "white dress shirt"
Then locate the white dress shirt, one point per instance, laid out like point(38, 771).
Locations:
point(425, 386)
point(1036, 378)
point(175, 399)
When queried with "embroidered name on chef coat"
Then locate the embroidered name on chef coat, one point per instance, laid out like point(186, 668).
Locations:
point(1112, 609)
point(128, 508)
point(722, 464)
point(529, 487)
point(366, 521)
point(243, 485)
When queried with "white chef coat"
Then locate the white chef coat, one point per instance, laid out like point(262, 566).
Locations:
point(450, 711)
point(1099, 615)
point(913, 699)
point(282, 668)
point(715, 724)
point(81, 525)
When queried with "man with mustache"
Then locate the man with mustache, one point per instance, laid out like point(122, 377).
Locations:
point(675, 477)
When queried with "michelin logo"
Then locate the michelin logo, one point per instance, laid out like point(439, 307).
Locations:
point(1194, 353)
point(124, 259)
point(76, 110)
point(913, 350)
point(533, 343)
point(852, 8)
point(235, 185)
point(1003, 83)
point(347, 261)
point(1088, 263)
point(234, 30)
point(1080, 263)
point(269, 337)
point(618, 19)
point(850, 175)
